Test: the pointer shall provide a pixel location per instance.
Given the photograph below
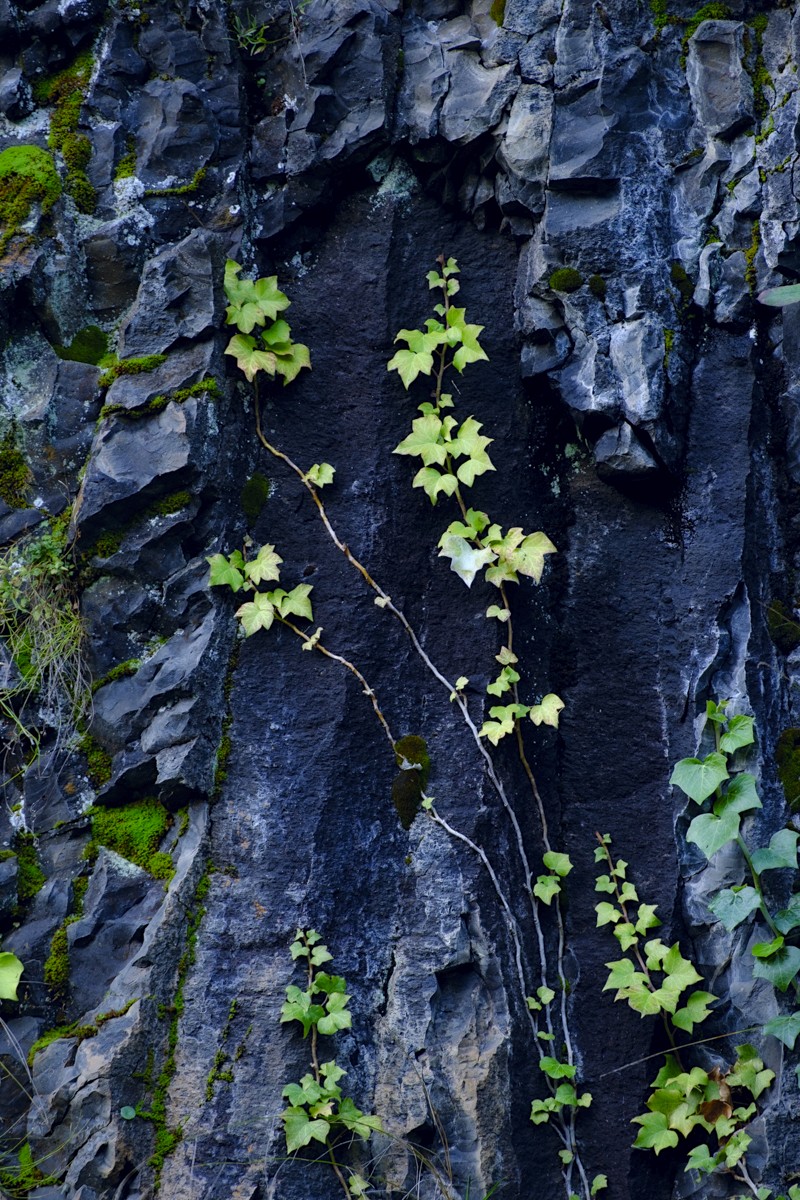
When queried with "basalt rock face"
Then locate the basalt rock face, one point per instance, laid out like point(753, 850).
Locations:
point(617, 185)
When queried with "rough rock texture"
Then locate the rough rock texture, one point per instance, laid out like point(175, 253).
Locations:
point(645, 411)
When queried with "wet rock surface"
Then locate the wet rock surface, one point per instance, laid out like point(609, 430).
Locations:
point(617, 190)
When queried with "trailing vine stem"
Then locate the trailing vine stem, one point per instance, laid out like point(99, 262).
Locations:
point(345, 662)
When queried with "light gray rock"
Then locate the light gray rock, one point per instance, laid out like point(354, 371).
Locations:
point(721, 89)
point(176, 298)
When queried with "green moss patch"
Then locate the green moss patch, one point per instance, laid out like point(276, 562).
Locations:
point(787, 758)
point(28, 176)
point(566, 279)
point(21, 1179)
point(255, 494)
point(15, 476)
point(597, 286)
point(66, 92)
point(184, 189)
point(89, 345)
point(407, 789)
point(98, 761)
point(122, 670)
point(135, 832)
point(56, 967)
point(783, 628)
point(30, 877)
point(130, 366)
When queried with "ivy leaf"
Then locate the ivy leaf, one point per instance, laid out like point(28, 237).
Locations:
point(290, 362)
point(248, 359)
point(694, 1011)
point(717, 712)
point(264, 566)
point(225, 572)
point(555, 1069)
point(337, 1017)
point(494, 610)
point(356, 1121)
point(731, 906)
point(646, 918)
point(10, 975)
point(767, 949)
point(781, 852)
point(259, 613)
point(546, 713)
point(780, 969)
point(605, 884)
point(324, 982)
point(320, 474)
point(740, 795)
point(789, 918)
point(607, 914)
point(557, 862)
point(409, 364)
point(779, 297)
point(300, 1129)
point(785, 1028)
point(320, 955)
point(470, 349)
point(711, 833)
point(625, 935)
point(701, 1159)
point(465, 560)
point(252, 302)
point(698, 778)
point(546, 887)
point(433, 482)
point(424, 441)
point(739, 733)
point(749, 1071)
point(598, 1184)
point(679, 971)
point(294, 603)
point(655, 1133)
point(503, 683)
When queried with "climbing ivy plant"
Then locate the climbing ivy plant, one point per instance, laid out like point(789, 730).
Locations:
point(453, 455)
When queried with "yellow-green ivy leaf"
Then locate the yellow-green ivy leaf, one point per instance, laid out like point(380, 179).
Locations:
point(248, 358)
point(264, 566)
point(259, 613)
point(546, 713)
point(321, 474)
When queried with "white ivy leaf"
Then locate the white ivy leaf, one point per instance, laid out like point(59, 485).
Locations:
point(465, 560)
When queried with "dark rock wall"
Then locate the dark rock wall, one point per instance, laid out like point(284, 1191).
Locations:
point(645, 418)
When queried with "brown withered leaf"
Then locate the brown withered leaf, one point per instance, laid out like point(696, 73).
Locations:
point(714, 1110)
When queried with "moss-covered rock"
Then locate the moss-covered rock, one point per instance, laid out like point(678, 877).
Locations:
point(135, 831)
point(566, 279)
point(28, 176)
point(787, 758)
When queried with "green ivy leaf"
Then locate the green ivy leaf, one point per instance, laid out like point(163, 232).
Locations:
point(655, 1133)
point(545, 994)
point(646, 918)
point(320, 955)
point(556, 1069)
point(711, 833)
point(300, 1129)
point(10, 975)
point(494, 610)
point(625, 935)
point(749, 1071)
point(226, 572)
point(779, 297)
point(465, 560)
point(717, 712)
point(555, 861)
point(607, 914)
point(425, 441)
point(680, 971)
point(290, 362)
point(264, 566)
point(337, 1017)
point(694, 1011)
point(433, 482)
point(503, 682)
point(785, 1028)
point(329, 983)
point(731, 906)
point(789, 918)
point(252, 302)
point(698, 778)
point(546, 887)
point(409, 364)
point(356, 1121)
point(248, 358)
point(294, 603)
point(259, 613)
point(767, 949)
point(469, 350)
point(598, 1184)
point(781, 852)
point(740, 795)
point(701, 1159)
point(739, 733)
point(780, 969)
point(546, 712)
point(320, 474)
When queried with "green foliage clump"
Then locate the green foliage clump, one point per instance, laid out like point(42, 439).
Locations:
point(136, 831)
point(255, 494)
point(709, 12)
point(30, 877)
point(783, 628)
point(15, 475)
point(126, 167)
point(498, 11)
point(130, 366)
point(28, 176)
point(787, 758)
point(661, 17)
point(169, 505)
point(408, 788)
point(253, 303)
point(597, 286)
point(66, 92)
point(107, 544)
point(566, 279)
point(89, 345)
